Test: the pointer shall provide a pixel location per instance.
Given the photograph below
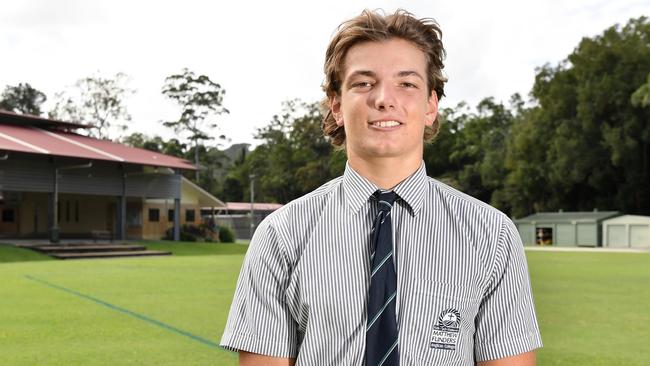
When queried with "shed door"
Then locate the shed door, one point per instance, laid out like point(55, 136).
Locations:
point(616, 236)
point(587, 234)
point(640, 236)
point(565, 235)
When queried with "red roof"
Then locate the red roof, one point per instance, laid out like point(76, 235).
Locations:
point(246, 206)
point(32, 139)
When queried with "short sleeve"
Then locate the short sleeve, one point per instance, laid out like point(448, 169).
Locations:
point(259, 320)
point(506, 324)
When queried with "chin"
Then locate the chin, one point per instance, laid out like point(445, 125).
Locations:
point(385, 152)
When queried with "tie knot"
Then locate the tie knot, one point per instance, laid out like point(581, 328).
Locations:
point(385, 199)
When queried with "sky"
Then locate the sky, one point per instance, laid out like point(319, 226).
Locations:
point(266, 52)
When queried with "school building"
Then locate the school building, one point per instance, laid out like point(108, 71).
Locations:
point(56, 183)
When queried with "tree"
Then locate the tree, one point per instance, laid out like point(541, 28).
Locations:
point(201, 101)
point(213, 162)
point(481, 150)
point(293, 159)
point(641, 97)
point(586, 145)
point(469, 151)
point(232, 189)
point(171, 147)
point(95, 100)
point(22, 99)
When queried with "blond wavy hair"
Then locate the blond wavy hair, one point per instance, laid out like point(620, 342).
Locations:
point(375, 26)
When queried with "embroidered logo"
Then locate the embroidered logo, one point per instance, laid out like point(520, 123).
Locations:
point(446, 330)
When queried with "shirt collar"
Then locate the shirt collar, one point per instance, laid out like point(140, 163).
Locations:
point(412, 190)
point(358, 189)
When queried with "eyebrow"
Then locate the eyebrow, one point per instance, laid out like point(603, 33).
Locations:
point(372, 74)
point(409, 73)
point(362, 73)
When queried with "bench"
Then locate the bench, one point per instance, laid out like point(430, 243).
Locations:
point(101, 235)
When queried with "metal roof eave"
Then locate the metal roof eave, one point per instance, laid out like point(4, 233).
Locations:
point(205, 198)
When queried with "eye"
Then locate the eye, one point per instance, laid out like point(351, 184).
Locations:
point(362, 84)
point(406, 84)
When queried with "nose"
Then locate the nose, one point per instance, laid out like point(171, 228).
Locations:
point(384, 98)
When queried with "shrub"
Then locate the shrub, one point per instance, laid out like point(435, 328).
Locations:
point(188, 233)
point(202, 233)
point(226, 235)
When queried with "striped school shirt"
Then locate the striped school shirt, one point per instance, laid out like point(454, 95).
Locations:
point(463, 289)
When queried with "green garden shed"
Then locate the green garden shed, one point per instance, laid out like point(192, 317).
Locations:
point(627, 231)
point(564, 229)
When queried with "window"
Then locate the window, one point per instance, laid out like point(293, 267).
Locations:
point(8, 215)
point(154, 215)
point(76, 211)
point(189, 215)
point(170, 215)
point(67, 211)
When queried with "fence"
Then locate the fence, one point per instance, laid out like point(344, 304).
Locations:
point(240, 223)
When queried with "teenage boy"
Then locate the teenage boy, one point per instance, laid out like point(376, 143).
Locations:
point(384, 265)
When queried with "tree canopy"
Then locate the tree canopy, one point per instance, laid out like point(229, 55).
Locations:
point(585, 144)
point(98, 101)
point(201, 101)
point(293, 158)
point(22, 98)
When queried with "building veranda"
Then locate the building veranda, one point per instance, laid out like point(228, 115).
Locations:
point(56, 183)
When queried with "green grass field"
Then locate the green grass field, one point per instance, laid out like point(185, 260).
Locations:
point(136, 311)
point(593, 308)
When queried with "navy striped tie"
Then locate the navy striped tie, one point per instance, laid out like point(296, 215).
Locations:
point(381, 329)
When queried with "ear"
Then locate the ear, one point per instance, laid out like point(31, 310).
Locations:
point(335, 106)
point(432, 109)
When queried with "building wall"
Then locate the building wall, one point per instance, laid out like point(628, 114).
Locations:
point(28, 173)
point(87, 197)
point(32, 214)
point(627, 235)
point(154, 230)
point(9, 218)
point(78, 215)
point(627, 231)
point(81, 214)
point(8, 228)
point(563, 234)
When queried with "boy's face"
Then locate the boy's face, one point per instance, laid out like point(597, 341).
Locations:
point(384, 104)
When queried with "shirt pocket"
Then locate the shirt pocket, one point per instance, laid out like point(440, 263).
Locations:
point(440, 324)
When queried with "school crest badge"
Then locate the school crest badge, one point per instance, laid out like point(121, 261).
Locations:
point(446, 330)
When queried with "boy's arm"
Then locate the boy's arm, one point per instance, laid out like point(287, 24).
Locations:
point(253, 359)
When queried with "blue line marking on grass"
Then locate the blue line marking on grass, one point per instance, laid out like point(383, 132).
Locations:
point(130, 313)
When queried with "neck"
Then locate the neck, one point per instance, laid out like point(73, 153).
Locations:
point(385, 173)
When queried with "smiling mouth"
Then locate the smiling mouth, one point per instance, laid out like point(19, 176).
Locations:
point(384, 124)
